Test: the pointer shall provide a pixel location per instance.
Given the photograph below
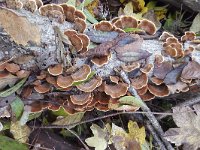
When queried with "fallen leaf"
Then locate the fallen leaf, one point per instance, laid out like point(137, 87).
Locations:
point(100, 36)
point(131, 100)
point(191, 71)
point(8, 143)
point(70, 119)
point(4, 112)
point(20, 133)
point(8, 80)
point(178, 87)
point(89, 16)
point(123, 140)
point(128, 10)
point(188, 131)
point(175, 73)
point(17, 107)
point(18, 27)
point(195, 27)
point(161, 70)
point(100, 140)
point(12, 89)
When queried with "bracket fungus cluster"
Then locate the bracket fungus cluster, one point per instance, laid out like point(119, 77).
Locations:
point(75, 88)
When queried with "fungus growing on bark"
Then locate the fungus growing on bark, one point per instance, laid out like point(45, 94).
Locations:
point(69, 12)
point(86, 41)
point(39, 3)
point(101, 97)
point(158, 59)
point(80, 25)
point(12, 67)
point(114, 79)
point(90, 85)
point(55, 70)
point(147, 68)
point(158, 90)
point(178, 87)
point(130, 67)
point(165, 35)
point(4, 74)
point(116, 90)
point(81, 99)
point(30, 5)
point(103, 26)
point(42, 75)
point(100, 61)
point(14, 4)
point(189, 50)
point(79, 14)
point(125, 22)
point(156, 80)
point(26, 91)
point(23, 73)
point(139, 81)
point(74, 39)
point(147, 96)
point(42, 88)
point(52, 11)
point(148, 26)
point(64, 81)
point(188, 36)
point(143, 90)
point(51, 80)
point(82, 73)
point(169, 41)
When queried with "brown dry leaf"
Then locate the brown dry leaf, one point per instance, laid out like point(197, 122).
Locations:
point(161, 70)
point(188, 132)
point(175, 73)
point(8, 80)
point(18, 27)
point(191, 71)
point(178, 87)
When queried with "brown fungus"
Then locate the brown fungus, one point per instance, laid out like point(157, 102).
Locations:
point(14, 4)
point(116, 90)
point(139, 81)
point(82, 73)
point(42, 88)
point(69, 12)
point(12, 67)
point(52, 11)
point(159, 90)
point(165, 35)
point(79, 14)
point(130, 67)
point(64, 81)
point(148, 26)
point(188, 36)
point(80, 25)
point(90, 85)
point(55, 70)
point(103, 26)
point(81, 99)
point(100, 61)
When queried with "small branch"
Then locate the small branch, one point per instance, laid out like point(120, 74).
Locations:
point(74, 133)
point(145, 108)
point(155, 136)
point(189, 102)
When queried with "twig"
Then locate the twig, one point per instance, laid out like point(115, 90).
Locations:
point(74, 133)
point(145, 108)
point(189, 102)
point(155, 136)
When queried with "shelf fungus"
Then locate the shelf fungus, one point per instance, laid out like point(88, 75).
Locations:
point(81, 74)
point(79, 41)
point(42, 88)
point(158, 90)
point(165, 35)
point(125, 22)
point(90, 85)
point(116, 90)
point(103, 26)
point(188, 36)
point(148, 26)
point(55, 70)
point(53, 11)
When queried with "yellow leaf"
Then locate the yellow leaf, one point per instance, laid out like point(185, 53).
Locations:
point(20, 133)
point(128, 9)
point(136, 133)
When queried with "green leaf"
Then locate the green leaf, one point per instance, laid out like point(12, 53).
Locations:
point(89, 16)
point(71, 2)
point(151, 4)
point(12, 89)
point(131, 100)
point(60, 112)
point(132, 30)
point(84, 4)
point(195, 24)
point(20, 133)
point(10, 144)
point(34, 115)
point(17, 107)
point(88, 78)
point(70, 119)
